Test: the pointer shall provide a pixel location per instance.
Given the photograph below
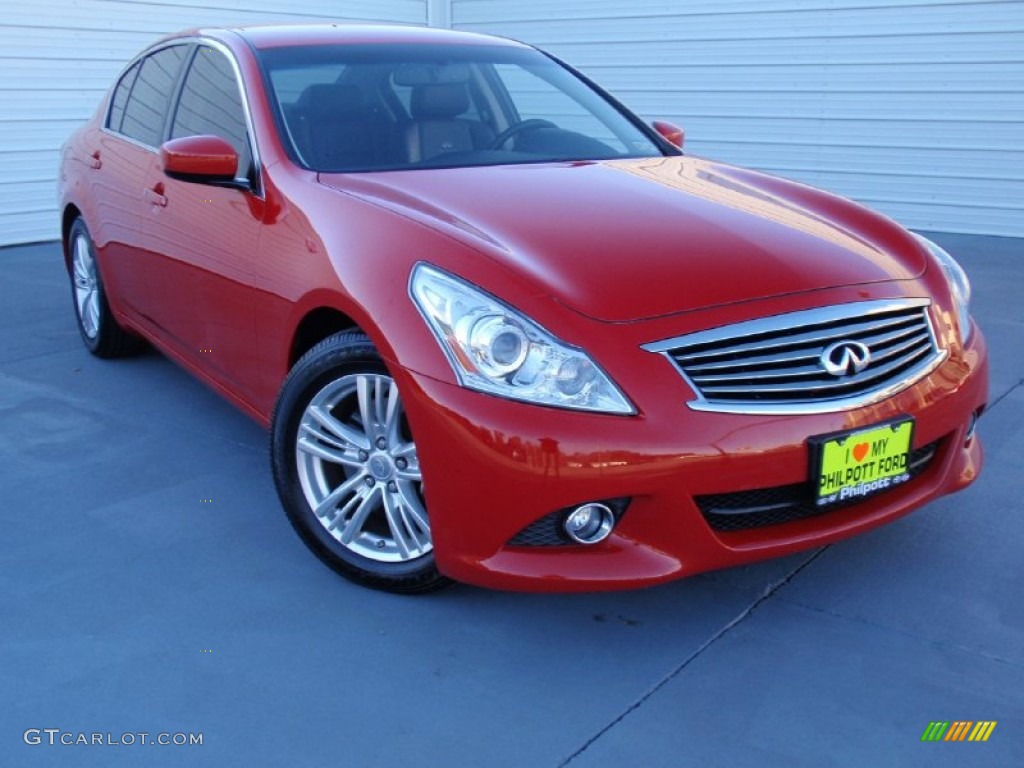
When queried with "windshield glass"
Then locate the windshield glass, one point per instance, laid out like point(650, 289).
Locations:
point(396, 107)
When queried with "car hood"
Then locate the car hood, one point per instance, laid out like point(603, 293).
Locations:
point(633, 239)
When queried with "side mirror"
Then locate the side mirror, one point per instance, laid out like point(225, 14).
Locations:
point(672, 133)
point(201, 159)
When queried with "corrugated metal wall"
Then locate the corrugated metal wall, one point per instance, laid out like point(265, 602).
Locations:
point(915, 107)
point(57, 57)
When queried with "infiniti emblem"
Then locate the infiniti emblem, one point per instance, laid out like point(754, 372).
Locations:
point(845, 358)
point(380, 467)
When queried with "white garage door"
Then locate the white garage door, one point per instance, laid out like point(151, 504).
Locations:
point(57, 57)
point(915, 107)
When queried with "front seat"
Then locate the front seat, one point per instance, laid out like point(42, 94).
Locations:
point(436, 128)
point(336, 130)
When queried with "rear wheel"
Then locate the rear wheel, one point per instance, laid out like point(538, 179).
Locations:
point(347, 469)
point(96, 324)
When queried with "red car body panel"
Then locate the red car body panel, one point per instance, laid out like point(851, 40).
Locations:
point(662, 459)
point(561, 224)
point(222, 280)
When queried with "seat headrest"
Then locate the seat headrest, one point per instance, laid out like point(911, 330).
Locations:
point(330, 101)
point(439, 102)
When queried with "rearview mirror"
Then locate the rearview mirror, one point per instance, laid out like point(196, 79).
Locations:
point(433, 73)
point(671, 132)
point(202, 159)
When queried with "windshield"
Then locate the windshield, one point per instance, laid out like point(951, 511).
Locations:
point(395, 107)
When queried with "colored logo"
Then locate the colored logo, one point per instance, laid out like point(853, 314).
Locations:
point(958, 730)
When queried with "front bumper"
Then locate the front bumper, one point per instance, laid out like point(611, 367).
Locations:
point(492, 467)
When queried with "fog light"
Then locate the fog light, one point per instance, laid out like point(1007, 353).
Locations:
point(589, 523)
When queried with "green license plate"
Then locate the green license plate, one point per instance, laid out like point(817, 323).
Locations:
point(849, 466)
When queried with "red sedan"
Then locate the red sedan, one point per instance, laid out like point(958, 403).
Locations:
point(501, 330)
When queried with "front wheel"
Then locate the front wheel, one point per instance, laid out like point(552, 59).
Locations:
point(347, 470)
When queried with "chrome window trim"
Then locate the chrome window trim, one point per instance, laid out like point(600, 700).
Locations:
point(774, 323)
point(257, 188)
point(129, 139)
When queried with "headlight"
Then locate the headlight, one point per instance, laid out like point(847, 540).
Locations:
point(493, 348)
point(958, 281)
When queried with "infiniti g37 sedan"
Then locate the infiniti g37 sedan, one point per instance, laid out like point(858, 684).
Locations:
point(501, 330)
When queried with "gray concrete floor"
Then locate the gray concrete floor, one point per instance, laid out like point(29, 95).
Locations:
point(128, 603)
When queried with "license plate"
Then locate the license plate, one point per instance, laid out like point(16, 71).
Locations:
point(849, 466)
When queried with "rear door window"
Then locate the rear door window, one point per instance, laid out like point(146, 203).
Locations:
point(120, 98)
point(145, 112)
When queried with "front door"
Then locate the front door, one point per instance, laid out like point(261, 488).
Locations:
point(204, 238)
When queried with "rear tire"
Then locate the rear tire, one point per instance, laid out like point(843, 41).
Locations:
point(100, 331)
point(347, 471)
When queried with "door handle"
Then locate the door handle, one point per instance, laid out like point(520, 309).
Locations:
point(94, 160)
point(155, 195)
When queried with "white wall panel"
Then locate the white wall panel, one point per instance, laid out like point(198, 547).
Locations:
point(915, 107)
point(57, 58)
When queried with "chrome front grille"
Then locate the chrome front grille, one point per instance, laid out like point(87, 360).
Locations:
point(780, 364)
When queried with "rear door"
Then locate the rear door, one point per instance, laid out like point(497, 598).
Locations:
point(120, 165)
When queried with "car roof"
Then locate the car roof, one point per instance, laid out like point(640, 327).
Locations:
point(279, 35)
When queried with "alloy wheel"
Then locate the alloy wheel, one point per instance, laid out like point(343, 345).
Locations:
point(87, 297)
point(359, 471)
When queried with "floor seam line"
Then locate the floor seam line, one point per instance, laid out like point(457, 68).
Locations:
point(769, 591)
point(1009, 391)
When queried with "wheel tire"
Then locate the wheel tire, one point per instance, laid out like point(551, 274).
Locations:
point(100, 331)
point(353, 491)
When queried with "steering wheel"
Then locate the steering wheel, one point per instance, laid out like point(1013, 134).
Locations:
point(514, 130)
